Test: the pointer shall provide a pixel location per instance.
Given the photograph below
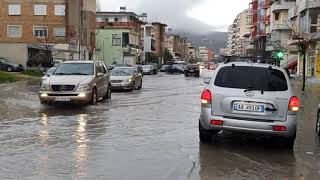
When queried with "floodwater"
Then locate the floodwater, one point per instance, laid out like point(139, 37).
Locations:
point(146, 134)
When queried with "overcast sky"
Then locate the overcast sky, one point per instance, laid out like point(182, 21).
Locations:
point(189, 15)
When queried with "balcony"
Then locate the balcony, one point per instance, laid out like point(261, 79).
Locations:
point(292, 12)
point(307, 4)
point(281, 26)
point(283, 6)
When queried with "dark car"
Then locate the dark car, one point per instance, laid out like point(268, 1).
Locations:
point(164, 68)
point(175, 69)
point(192, 69)
point(7, 65)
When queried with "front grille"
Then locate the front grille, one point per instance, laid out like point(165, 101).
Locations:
point(63, 87)
point(116, 81)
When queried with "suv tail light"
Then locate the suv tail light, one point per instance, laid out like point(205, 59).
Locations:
point(206, 97)
point(294, 104)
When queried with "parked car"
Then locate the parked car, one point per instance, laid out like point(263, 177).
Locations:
point(149, 69)
point(250, 98)
point(9, 66)
point(192, 69)
point(125, 78)
point(79, 82)
point(175, 69)
point(47, 74)
point(164, 68)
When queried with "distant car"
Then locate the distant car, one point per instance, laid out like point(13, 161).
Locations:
point(192, 69)
point(9, 66)
point(164, 68)
point(175, 69)
point(249, 98)
point(47, 74)
point(149, 69)
point(78, 82)
point(125, 78)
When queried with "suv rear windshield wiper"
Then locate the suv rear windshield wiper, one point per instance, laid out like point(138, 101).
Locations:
point(254, 89)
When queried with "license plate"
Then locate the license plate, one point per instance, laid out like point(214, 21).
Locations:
point(62, 99)
point(248, 107)
point(191, 70)
point(116, 85)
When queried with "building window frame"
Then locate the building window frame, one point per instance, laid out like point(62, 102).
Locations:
point(38, 11)
point(11, 9)
point(59, 10)
point(55, 32)
point(45, 34)
point(116, 40)
point(8, 32)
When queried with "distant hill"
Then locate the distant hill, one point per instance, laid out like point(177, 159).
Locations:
point(213, 40)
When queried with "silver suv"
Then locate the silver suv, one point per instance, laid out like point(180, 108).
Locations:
point(249, 98)
point(79, 82)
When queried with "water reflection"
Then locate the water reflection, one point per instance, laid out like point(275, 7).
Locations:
point(251, 160)
point(81, 153)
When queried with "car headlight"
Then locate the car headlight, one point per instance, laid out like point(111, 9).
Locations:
point(45, 87)
point(130, 80)
point(84, 87)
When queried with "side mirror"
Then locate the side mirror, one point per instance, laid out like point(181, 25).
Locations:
point(207, 80)
point(99, 74)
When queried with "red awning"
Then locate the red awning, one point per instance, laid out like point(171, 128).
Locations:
point(293, 65)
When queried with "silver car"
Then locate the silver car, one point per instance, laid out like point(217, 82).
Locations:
point(125, 78)
point(249, 98)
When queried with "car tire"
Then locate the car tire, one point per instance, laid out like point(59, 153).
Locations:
point(9, 68)
point(94, 97)
point(318, 124)
point(205, 136)
point(108, 94)
point(140, 87)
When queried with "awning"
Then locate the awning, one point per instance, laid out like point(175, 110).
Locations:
point(292, 65)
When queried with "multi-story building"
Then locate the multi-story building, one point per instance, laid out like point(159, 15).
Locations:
point(118, 37)
point(33, 30)
point(305, 18)
point(237, 31)
point(159, 33)
point(177, 46)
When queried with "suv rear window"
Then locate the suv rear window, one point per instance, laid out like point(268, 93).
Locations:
point(245, 77)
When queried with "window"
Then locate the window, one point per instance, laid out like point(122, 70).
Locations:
point(40, 10)
point(14, 9)
point(59, 10)
point(14, 31)
point(277, 16)
point(116, 19)
point(125, 39)
point(107, 19)
point(242, 77)
point(40, 31)
point(59, 32)
point(116, 40)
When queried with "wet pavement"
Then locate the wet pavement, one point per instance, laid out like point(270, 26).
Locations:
point(147, 134)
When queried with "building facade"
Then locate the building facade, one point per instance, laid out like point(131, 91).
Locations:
point(118, 37)
point(33, 30)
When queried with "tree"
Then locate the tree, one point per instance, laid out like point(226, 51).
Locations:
point(167, 57)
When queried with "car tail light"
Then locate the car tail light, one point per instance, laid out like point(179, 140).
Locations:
point(279, 128)
point(294, 104)
point(206, 97)
point(216, 122)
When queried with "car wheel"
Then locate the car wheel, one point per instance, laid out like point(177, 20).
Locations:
point(140, 87)
point(205, 136)
point(108, 94)
point(318, 124)
point(9, 69)
point(94, 97)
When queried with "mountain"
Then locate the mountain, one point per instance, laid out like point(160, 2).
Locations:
point(214, 40)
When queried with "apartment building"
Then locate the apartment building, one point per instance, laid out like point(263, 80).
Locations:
point(118, 37)
point(33, 30)
point(159, 32)
point(305, 18)
point(178, 46)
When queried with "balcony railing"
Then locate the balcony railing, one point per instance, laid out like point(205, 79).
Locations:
point(282, 6)
point(281, 26)
point(307, 4)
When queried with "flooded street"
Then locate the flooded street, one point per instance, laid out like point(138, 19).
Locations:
point(147, 134)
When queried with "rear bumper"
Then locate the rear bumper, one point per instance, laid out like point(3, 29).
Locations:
point(51, 98)
point(194, 72)
point(255, 127)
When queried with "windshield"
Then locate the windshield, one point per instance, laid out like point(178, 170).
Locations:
point(75, 69)
point(51, 70)
point(146, 66)
point(243, 77)
point(122, 72)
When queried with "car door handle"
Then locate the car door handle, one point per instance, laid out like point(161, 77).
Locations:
point(271, 109)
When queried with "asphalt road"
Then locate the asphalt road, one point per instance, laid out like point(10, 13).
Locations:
point(147, 134)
